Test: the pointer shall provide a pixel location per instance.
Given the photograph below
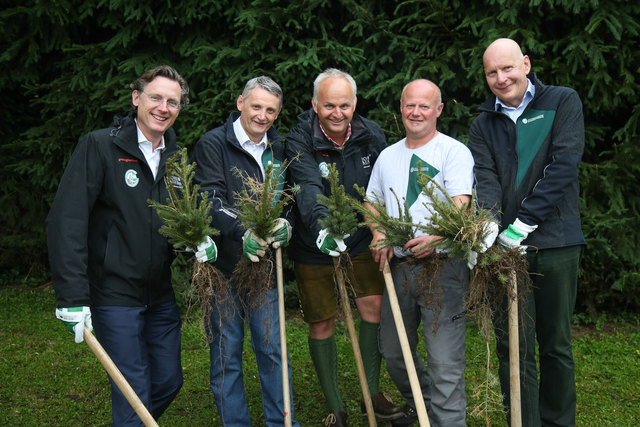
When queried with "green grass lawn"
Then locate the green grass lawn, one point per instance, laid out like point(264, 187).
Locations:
point(47, 379)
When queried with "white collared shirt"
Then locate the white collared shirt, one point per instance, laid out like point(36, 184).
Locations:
point(255, 149)
point(515, 112)
point(150, 154)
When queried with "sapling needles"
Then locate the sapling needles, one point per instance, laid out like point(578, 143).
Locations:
point(187, 223)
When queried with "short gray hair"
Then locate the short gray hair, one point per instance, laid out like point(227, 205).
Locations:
point(333, 72)
point(264, 82)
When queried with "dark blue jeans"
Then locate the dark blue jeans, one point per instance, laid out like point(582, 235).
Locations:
point(144, 343)
point(227, 378)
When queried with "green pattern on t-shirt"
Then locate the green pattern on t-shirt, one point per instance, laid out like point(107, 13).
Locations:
point(533, 128)
point(413, 187)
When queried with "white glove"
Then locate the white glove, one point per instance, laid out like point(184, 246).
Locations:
point(253, 247)
point(514, 234)
point(331, 245)
point(280, 233)
point(489, 233)
point(76, 318)
point(207, 251)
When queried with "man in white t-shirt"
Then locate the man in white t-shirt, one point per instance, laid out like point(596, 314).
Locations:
point(450, 164)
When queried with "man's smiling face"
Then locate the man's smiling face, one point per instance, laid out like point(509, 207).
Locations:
point(155, 112)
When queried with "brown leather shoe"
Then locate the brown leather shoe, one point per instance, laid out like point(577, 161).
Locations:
point(383, 407)
point(336, 418)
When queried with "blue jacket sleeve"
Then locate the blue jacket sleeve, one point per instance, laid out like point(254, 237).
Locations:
point(210, 175)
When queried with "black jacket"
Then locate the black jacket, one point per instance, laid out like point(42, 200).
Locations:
point(102, 235)
point(354, 164)
point(529, 170)
point(217, 155)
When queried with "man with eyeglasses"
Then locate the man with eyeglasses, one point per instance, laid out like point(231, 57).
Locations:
point(110, 265)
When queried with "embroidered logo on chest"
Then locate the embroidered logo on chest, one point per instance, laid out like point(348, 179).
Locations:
point(131, 178)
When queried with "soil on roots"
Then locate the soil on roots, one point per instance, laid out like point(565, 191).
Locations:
point(254, 280)
point(490, 285)
point(343, 273)
point(427, 282)
point(207, 281)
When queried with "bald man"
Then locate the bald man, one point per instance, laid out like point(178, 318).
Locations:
point(450, 164)
point(527, 144)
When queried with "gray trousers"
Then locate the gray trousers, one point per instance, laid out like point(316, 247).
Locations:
point(443, 385)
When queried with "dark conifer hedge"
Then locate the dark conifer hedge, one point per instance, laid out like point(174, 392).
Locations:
point(67, 65)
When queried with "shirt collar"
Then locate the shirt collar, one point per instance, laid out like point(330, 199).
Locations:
point(142, 140)
point(335, 144)
point(242, 136)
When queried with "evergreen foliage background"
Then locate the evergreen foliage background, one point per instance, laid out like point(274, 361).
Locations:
point(67, 65)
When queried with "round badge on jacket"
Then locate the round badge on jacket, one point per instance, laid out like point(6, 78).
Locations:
point(131, 178)
point(324, 169)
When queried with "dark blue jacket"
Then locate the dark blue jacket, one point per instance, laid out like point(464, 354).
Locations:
point(102, 235)
point(218, 155)
point(354, 164)
point(529, 169)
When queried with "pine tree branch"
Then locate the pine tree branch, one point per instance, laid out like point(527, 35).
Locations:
point(186, 212)
point(342, 219)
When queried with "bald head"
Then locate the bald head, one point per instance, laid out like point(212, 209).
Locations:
point(506, 69)
point(420, 105)
point(504, 47)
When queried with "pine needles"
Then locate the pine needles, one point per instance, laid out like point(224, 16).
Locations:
point(186, 214)
point(397, 231)
point(259, 204)
point(342, 220)
point(186, 224)
point(464, 230)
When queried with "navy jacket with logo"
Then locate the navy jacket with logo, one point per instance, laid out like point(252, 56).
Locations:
point(102, 235)
point(529, 169)
point(218, 157)
point(354, 164)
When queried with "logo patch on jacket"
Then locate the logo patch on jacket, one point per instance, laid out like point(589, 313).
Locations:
point(131, 178)
point(324, 169)
point(176, 182)
point(366, 161)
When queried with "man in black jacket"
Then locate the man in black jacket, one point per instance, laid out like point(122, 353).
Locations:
point(527, 144)
point(245, 144)
point(333, 133)
point(110, 266)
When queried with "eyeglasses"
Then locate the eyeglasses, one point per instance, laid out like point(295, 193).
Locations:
point(158, 100)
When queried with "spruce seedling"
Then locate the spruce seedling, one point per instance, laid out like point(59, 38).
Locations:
point(397, 231)
point(258, 205)
point(463, 230)
point(187, 223)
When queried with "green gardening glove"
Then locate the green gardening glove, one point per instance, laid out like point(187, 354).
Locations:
point(513, 236)
point(280, 233)
point(207, 251)
point(253, 247)
point(330, 245)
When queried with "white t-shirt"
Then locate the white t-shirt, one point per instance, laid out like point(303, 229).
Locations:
point(448, 161)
